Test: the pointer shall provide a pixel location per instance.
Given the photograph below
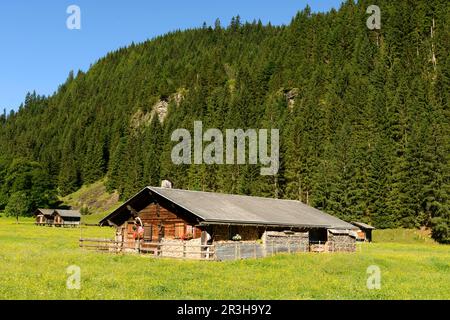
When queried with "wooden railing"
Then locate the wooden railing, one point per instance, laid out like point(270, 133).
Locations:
point(62, 224)
point(330, 246)
point(182, 250)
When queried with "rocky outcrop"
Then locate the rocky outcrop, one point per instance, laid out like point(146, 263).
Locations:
point(141, 119)
point(160, 109)
point(181, 249)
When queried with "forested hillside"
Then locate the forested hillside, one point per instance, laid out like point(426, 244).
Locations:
point(363, 115)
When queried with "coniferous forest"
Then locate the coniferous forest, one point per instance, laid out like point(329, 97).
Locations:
point(363, 115)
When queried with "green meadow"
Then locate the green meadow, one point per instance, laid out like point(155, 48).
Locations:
point(34, 262)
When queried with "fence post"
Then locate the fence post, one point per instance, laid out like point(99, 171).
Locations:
point(235, 251)
point(255, 249)
point(272, 248)
point(184, 249)
point(239, 250)
point(289, 246)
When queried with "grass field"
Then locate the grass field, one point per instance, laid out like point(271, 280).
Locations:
point(34, 261)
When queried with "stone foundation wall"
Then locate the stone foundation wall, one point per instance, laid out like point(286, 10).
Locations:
point(341, 243)
point(247, 233)
point(220, 233)
point(175, 248)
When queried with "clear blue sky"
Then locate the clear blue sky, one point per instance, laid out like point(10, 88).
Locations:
point(37, 50)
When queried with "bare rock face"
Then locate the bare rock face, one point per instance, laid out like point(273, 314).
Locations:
point(292, 94)
point(178, 97)
point(290, 97)
point(142, 119)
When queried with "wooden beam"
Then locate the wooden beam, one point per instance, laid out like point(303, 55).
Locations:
point(133, 211)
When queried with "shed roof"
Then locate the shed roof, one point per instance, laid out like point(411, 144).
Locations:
point(68, 213)
point(362, 225)
point(351, 233)
point(219, 208)
point(45, 212)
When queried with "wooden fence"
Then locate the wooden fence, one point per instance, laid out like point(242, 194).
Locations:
point(331, 246)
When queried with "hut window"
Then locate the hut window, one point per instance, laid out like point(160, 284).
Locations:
point(232, 231)
point(179, 230)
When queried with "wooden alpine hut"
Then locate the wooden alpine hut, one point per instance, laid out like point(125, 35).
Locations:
point(44, 217)
point(365, 231)
point(182, 223)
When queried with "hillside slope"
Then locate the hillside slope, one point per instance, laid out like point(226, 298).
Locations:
point(94, 201)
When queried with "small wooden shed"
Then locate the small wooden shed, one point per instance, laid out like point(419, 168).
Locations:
point(66, 218)
point(159, 219)
point(364, 232)
point(57, 217)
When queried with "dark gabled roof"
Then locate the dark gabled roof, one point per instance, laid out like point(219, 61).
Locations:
point(219, 208)
point(68, 213)
point(62, 213)
point(45, 212)
point(362, 225)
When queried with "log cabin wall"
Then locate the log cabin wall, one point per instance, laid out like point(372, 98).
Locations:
point(341, 243)
point(159, 222)
point(247, 233)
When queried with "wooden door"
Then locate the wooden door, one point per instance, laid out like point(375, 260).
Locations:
point(148, 232)
point(160, 232)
